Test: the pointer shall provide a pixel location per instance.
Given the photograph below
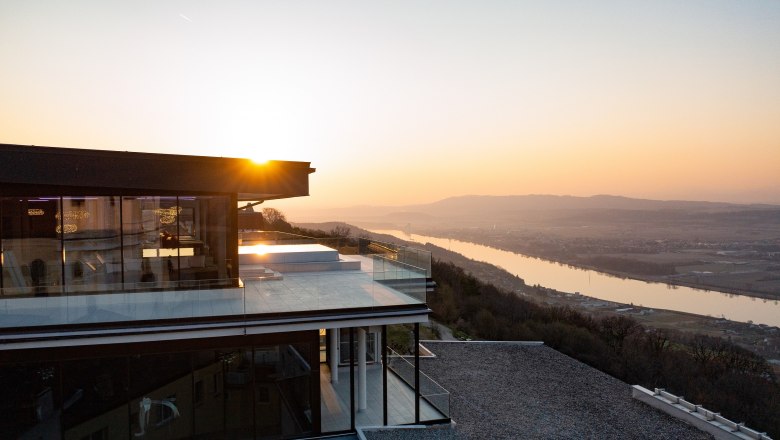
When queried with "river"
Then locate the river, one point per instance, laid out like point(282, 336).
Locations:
point(603, 286)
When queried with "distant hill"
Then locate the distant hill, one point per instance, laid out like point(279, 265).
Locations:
point(550, 202)
point(476, 209)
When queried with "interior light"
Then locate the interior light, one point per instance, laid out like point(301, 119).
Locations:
point(74, 214)
point(68, 228)
point(168, 215)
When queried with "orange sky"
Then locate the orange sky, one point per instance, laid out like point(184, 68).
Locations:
point(410, 102)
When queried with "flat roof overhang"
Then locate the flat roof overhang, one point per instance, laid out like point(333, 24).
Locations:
point(100, 172)
point(171, 330)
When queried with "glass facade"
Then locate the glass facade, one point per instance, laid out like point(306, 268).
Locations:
point(91, 235)
point(88, 244)
point(31, 242)
point(273, 386)
point(372, 348)
point(262, 391)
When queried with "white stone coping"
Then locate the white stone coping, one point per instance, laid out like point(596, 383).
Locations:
point(711, 422)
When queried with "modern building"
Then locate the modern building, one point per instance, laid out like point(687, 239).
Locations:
point(133, 307)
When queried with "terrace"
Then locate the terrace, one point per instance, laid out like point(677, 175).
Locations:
point(280, 276)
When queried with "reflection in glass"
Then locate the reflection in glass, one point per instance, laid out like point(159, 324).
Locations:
point(202, 238)
point(94, 398)
point(31, 400)
point(282, 389)
point(92, 243)
point(31, 258)
point(208, 394)
point(236, 365)
point(107, 243)
point(160, 244)
point(161, 396)
point(244, 392)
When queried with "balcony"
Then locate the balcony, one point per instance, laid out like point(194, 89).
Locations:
point(280, 276)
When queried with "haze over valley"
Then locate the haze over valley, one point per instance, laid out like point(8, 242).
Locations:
point(722, 246)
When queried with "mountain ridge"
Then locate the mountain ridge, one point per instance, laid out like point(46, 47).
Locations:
point(527, 205)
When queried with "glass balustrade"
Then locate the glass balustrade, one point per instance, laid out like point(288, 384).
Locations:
point(434, 399)
point(379, 280)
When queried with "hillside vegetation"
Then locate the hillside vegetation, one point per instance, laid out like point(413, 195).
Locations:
point(707, 370)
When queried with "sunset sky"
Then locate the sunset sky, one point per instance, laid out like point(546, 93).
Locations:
point(412, 101)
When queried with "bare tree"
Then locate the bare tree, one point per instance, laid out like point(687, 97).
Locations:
point(273, 215)
point(341, 231)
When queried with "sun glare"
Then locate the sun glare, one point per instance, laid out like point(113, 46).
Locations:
point(258, 249)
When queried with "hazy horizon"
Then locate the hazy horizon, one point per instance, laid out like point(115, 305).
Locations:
point(400, 103)
point(300, 205)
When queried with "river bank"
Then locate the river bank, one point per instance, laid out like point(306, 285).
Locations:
point(677, 279)
point(567, 278)
point(669, 280)
point(761, 339)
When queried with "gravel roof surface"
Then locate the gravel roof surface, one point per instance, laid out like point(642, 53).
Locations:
point(413, 434)
point(510, 391)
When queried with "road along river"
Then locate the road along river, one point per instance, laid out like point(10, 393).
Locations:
point(611, 288)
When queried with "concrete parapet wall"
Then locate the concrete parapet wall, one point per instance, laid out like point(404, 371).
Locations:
point(711, 422)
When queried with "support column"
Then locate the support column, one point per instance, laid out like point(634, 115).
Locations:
point(417, 373)
point(333, 342)
point(362, 382)
point(352, 408)
point(384, 375)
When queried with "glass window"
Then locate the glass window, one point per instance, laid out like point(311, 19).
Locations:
point(336, 404)
point(31, 400)
point(203, 235)
point(371, 346)
point(108, 243)
point(94, 397)
point(161, 393)
point(92, 239)
point(282, 389)
point(31, 257)
point(152, 249)
point(133, 240)
point(237, 398)
point(209, 409)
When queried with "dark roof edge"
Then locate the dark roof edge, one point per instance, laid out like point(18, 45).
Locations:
point(37, 149)
point(23, 166)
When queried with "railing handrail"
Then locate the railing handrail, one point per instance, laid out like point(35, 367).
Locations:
point(396, 355)
point(382, 257)
point(425, 382)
